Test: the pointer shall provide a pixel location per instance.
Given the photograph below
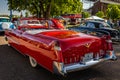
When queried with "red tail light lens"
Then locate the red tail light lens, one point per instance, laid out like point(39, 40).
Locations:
point(108, 42)
point(57, 46)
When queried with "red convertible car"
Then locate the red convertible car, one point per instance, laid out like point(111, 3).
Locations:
point(38, 23)
point(60, 51)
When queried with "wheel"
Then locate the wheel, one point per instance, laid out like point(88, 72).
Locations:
point(5, 26)
point(8, 44)
point(6, 39)
point(33, 62)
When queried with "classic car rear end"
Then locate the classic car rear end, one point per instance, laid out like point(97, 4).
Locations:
point(61, 51)
point(80, 51)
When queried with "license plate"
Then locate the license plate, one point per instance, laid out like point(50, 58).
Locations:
point(87, 57)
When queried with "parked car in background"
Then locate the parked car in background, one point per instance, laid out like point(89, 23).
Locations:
point(41, 22)
point(60, 51)
point(30, 23)
point(72, 18)
point(56, 24)
point(98, 27)
point(63, 20)
point(5, 24)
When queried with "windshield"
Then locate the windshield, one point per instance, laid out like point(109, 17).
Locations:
point(33, 22)
point(106, 25)
point(4, 20)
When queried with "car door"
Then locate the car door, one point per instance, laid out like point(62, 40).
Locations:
point(14, 36)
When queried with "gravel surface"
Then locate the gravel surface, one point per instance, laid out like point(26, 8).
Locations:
point(15, 66)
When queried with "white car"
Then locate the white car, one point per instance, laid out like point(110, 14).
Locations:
point(5, 24)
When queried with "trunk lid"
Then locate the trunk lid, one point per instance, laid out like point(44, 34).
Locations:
point(76, 47)
point(74, 50)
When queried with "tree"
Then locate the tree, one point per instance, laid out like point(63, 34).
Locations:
point(26, 14)
point(100, 14)
point(85, 14)
point(66, 6)
point(113, 12)
point(46, 8)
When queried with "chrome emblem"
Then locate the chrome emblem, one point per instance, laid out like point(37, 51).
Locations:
point(87, 45)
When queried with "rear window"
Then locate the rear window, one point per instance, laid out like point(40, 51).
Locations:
point(29, 22)
point(91, 25)
point(106, 25)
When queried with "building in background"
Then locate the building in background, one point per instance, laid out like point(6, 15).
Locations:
point(101, 5)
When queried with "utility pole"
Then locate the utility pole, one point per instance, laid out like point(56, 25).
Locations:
point(11, 11)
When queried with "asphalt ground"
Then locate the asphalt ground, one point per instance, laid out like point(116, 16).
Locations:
point(15, 66)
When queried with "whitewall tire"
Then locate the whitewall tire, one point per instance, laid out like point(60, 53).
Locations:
point(33, 62)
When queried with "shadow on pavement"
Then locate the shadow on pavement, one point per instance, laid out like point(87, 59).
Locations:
point(2, 33)
point(16, 66)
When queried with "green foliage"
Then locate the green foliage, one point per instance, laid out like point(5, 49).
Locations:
point(17, 5)
point(66, 6)
point(46, 8)
point(85, 14)
point(26, 14)
point(100, 14)
point(113, 12)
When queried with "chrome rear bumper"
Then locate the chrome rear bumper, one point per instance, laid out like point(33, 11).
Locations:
point(60, 68)
point(80, 66)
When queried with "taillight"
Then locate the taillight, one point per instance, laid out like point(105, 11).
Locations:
point(57, 46)
point(110, 52)
point(58, 51)
point(102, 52)
point(97, 56)
point(108, 42)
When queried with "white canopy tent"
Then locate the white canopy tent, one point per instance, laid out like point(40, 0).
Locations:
point(95, 17)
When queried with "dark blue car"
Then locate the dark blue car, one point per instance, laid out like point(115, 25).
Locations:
point(97, 28)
